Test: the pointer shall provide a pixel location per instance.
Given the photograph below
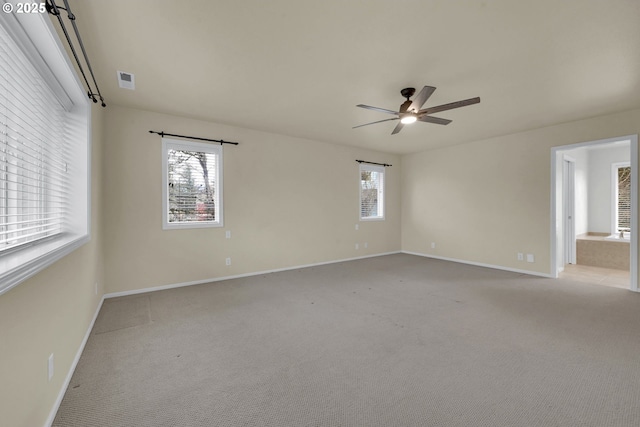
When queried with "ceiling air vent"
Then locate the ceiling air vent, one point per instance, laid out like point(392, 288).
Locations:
point(126, 80)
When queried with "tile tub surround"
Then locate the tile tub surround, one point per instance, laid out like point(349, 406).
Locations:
point(593, 249)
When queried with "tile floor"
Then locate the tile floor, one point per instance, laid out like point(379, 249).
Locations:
point(597, 275)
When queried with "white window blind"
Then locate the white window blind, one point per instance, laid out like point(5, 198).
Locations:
point(623, 208)
point(192, 184)
point(33, 152)
point(371, 192)
point(45, 150)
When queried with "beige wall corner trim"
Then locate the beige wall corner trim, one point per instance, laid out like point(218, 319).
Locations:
point(238, 276)
point(481, 264)
point(72, 368)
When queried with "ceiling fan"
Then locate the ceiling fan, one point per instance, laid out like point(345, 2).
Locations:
point(410, 111)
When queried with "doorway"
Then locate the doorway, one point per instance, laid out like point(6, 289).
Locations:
point(582, 212)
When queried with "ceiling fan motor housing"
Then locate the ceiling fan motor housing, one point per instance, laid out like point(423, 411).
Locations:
point(407, 93)
point(405, 105)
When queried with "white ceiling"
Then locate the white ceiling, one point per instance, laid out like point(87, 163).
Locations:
point(299, 67)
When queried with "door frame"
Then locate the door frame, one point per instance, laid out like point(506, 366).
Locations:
point(556, 223)
point(568, 209)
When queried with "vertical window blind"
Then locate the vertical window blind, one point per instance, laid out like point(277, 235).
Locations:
point(34, 170)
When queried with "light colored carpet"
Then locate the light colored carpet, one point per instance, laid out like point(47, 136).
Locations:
point(397, 340)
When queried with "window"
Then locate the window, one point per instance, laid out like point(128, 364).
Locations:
point(622, 197)
point(44, 150)
point(371, 192)
point(192, 184)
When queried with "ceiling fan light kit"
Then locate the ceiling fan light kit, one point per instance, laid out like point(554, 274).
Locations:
point(410, 111)
point(408, 118)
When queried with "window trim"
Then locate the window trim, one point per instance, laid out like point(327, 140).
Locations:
point(381, 191)
point(169, 143)
point(38, 39)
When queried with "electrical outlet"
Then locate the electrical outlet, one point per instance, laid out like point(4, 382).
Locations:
point(366, 245)
point(357, 246)
point(520, 256)
point(228, 234)
point(357, 227)
point(227, 261)
point(50, 366)
point(530, 258)
point(433, 245)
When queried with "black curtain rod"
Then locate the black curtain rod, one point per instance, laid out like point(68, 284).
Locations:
point(161, 133)
point(72, 18)
point(373, 163)
point(54, 10)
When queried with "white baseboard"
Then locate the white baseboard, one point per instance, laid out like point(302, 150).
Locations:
point(72, 369)
point(480, 264)
point(218, 279)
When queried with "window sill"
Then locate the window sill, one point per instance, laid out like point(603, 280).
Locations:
point(188, 225)
point(372, 219)
point(18, 266)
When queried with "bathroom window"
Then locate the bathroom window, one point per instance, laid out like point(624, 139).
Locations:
point(622, 197)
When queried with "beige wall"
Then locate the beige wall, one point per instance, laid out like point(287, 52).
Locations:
point(287, 202)
point(50, 313)
point(486, 201)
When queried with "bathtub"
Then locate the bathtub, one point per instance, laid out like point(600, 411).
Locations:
point(602, 250)
point(626, 237)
